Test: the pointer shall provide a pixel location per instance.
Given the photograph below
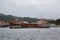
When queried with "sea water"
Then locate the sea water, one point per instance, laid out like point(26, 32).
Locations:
point(52, 33)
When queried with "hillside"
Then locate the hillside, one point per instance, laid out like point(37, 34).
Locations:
point(10, 17)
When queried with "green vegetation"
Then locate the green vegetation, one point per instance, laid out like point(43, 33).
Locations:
point(28, 19)
point(57, 22)
point(10, 17)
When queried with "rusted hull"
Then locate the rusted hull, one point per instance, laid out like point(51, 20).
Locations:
point(29, 26)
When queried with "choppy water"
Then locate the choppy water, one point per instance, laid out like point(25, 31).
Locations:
point(30, 34)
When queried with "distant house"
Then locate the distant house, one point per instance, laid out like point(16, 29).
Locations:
point(3, 23)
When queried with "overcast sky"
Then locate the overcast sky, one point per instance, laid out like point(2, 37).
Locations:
point(49, 9)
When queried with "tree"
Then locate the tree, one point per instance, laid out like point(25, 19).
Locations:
point(57, 21)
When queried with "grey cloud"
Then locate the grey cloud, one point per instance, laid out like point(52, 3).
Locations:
point(32, 8)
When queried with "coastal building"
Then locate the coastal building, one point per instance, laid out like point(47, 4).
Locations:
point(3, 23)
point(41, 21)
